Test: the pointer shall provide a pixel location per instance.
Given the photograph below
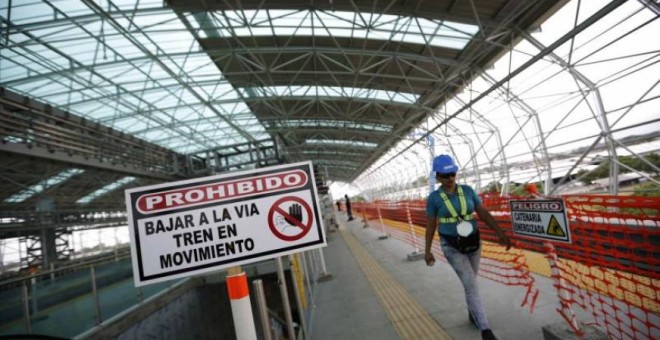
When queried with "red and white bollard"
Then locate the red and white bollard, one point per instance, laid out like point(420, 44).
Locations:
point(241, 309)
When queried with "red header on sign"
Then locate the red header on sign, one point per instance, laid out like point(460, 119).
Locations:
point(544, 206)
point(216, 192)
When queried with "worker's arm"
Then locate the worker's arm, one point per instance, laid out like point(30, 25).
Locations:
point(431, 226)
point(485, 216)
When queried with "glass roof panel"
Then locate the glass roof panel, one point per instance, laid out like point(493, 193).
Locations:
point(335, 162)
point(330, 153)
point(332, 124)
point(28, 11)
point(232, 108)
point(130, 4)
point(110, 75)
point(170, 42)
point(329, 91)
point(72, 7)
point(341, 24)
point(341, 142)
point(43, 185)
point(222, 91)
point(104, 190)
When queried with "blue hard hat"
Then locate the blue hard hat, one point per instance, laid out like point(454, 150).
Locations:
point(444, 164)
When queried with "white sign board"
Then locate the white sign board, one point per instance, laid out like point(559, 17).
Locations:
point(205, 224)
point(544, 219)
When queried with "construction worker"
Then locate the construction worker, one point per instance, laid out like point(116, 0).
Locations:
point(450, 210)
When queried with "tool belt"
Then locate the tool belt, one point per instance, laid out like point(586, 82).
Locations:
point(465, 245)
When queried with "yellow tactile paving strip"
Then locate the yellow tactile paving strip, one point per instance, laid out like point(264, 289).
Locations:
point(409, 319)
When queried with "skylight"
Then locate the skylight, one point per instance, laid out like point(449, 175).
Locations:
point(43, 185)
point(155, 79)
point(330, 91)
point(329, 153)
point(339, 124)
point(106, 189)
point(13, 139)
point(335, 142)
point(334, 162)
point(338, 24)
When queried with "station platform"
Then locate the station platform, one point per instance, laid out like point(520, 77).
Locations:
point(377, 293)
point(374, 292)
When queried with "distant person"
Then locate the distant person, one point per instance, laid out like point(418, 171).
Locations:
point(338, 205)
point(349, 211)
point(532, 190)
point(451, 208)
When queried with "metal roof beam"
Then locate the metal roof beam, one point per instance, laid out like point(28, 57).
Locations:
point(605, 10)
point(111, 20)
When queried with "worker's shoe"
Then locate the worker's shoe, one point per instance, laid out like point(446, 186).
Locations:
point(472, 320)
point(487, 334)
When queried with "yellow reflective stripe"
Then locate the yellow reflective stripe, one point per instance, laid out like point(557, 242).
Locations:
point(452, 210)
point(454, 219)
point(461, 201)
point(448, 204)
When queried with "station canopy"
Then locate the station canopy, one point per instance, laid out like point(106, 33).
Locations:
point(350, 85)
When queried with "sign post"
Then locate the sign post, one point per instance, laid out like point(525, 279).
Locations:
point(196, 226)
point(241, 308)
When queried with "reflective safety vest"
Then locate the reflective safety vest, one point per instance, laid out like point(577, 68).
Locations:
point(464, 216)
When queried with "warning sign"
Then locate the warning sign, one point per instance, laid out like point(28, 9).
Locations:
point(544, 219)
point(195, 226)
point(554, 228)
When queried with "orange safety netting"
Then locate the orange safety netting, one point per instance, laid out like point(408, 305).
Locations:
point(610, 270)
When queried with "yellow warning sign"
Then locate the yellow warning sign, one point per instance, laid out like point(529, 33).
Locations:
point(554, 228)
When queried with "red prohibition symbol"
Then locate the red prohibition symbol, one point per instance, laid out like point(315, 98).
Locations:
point(293, 217)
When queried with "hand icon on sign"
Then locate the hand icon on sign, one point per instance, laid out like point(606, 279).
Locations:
point(290, 218)
point(295, 210)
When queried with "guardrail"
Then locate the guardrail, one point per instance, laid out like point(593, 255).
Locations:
point(27, 299)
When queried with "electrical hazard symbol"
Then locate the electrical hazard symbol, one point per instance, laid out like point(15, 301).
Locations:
point(290, 218)
point(554, 228)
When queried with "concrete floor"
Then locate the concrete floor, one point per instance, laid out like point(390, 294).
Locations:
point(348, 308)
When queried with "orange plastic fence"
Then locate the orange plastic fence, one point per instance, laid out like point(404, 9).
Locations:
point(611, 269)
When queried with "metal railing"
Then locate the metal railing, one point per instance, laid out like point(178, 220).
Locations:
point(93, 291)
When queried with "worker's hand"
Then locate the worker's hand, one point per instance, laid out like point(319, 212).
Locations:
point(429, 258)
point(506, 241)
